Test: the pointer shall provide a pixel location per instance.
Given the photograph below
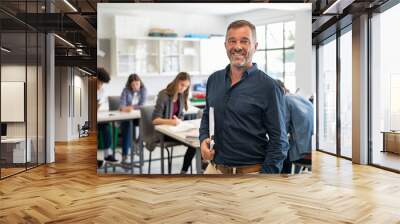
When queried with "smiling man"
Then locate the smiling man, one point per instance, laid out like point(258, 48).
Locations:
point(250, 134)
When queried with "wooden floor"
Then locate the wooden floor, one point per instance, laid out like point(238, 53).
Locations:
point(10, 171)
point(70, 191)
point(387, 159)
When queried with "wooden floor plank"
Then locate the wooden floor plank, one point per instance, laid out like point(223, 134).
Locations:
point(70, 191)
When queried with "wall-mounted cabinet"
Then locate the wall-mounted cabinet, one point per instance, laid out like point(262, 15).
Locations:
point(157, 56)
point(137, 56)
point(167, 56)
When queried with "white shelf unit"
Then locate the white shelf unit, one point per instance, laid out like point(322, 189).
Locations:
point(137, 56)
point(152, 56)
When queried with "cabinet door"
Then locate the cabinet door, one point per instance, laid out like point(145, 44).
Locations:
point(213, 55)
point(169, 56)
point(139, 56)
point(190, 56)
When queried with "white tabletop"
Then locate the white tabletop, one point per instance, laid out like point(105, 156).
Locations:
point(186, 132)
point(108, 116)
point(13, 140)
point(192, 110)
point(116, 115)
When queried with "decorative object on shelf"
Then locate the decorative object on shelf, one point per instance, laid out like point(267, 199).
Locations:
point(159, 32)
point(197, 35)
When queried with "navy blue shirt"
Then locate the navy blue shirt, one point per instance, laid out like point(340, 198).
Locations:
point(249, 120)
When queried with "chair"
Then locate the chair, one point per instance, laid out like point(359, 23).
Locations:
point(150, 138)
point(304, 163)
point(83, 131)
point(113, 102)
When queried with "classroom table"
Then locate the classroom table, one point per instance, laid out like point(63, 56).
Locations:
point(187, 133)
point(116, 116)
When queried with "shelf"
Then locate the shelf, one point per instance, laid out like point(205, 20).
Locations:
point(168, 56)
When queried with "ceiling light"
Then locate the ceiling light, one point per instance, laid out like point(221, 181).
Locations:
point(70, 5)
point(338, 6)
point(86, 72)
point(5, 50)
point(64, 40)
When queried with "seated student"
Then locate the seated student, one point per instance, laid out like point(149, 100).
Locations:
point(169, 109)
point(103, 128)
point(133, 96)
point(299, 125)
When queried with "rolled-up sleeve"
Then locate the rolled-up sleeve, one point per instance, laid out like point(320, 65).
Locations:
point(123, 102)
point(277, 147)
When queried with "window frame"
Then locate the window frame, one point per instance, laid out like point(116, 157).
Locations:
point(284, 49)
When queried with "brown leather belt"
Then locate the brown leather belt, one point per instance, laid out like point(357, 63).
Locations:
point(238, 169)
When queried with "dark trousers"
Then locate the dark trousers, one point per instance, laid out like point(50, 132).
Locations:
point(287, 165)
point(126, 129)
point(105, 134)
point(187, 160)
point(127, 135)
point(189, 154)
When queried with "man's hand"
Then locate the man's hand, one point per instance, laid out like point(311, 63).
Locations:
point(206, 153)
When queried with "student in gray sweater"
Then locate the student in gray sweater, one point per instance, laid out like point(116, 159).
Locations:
point(169, 109)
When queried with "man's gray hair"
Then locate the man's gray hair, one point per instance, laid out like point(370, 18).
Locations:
point(242, 23)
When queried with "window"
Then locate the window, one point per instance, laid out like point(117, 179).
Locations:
point(22, 69)
point(346, 94)
point(327, 96)
point(385, 89)
point(275, 54)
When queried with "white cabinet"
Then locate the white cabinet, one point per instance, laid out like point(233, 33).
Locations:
point(13, 150)
point(157, 56)
point(139, 56)
point(190, 56)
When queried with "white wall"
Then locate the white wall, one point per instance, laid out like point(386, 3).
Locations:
point(14, 73)
point(61, 104)
point(68, 81)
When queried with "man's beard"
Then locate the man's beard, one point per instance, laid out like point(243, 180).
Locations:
point(243, 54)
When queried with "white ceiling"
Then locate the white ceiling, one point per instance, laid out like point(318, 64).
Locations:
point(218, 9)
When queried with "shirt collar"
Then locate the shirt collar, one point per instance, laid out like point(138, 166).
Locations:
point(246, 73)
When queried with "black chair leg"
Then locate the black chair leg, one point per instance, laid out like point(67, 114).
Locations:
point(168, 159)
point(149, 163)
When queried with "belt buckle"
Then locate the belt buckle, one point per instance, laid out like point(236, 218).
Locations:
point(233, 170)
